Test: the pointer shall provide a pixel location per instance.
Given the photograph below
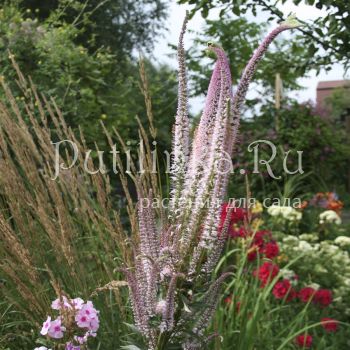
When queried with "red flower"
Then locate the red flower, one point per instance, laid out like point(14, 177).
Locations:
point(271, 250)
point(281, 289)
point(260, 236)
point(329, 324)
point(267, 272)
point(304, 341)
point(306, 294)
point(323, 297)
point(228, 300)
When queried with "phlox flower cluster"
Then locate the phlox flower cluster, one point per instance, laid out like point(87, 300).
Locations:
point(286, 212)
point(330, 261)
point(76, 323)
point(330, 216)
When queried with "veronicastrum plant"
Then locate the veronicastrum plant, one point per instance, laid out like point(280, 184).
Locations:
point(172, 289)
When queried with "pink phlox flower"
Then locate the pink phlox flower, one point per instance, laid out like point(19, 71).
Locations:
point(82, 320)
point(77, 303)
point(70, 346)
point(94, 324)
point(46, 326)
point(89, 309)
point(87, 317)
point(56, 329)
point(60, 303)
point(81, 340)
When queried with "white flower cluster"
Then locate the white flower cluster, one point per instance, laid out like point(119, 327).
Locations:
point(330, 216)
point(342, 241)
point(288, 213)
point(326, 263)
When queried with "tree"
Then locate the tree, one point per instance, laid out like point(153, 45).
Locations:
point(121, 25)
point(88, 85)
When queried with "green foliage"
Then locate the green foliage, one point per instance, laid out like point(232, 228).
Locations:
point(339, 102)
point(121, 25)
point(327, 40)
point(300, 128)
point(89, 85)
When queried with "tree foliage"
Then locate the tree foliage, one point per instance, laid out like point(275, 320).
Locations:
point(121, 25)
point(90, 84)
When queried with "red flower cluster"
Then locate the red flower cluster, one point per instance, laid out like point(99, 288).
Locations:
point(283, 290)
point(329, 324)
point(304, 341)
point(271, 250)
point(322, 297)
point(306, 294)
point(266, 272)
point(262, 242)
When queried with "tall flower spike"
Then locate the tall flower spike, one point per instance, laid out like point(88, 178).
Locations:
point(209, 185)
point(204, 130)
point(184, 247)
point(210, 301)
point(149, 236)
point(181, 129)
point(219, 246)
point(250, 69)
point(169, 310)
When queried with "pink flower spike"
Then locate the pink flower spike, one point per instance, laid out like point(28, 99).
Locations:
point(46, 326)
point(56, 329)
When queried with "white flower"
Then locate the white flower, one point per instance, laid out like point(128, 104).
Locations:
point(290, 239)
point(329, 248)
point(289, 275)
point(286, 212)
point(310, 237)
point(42, 348)
point(330, 216)
point(304, 246)
point(342, 241)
